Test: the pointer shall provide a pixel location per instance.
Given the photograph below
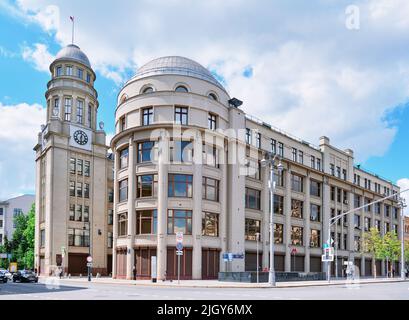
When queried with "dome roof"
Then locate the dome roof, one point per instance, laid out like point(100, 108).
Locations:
point(74, 53)
point(178, 66)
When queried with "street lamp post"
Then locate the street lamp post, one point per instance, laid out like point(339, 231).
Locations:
point(257, 259)
point(269, 161)
point(402, 254)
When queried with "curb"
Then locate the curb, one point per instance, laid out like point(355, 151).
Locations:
point(235, 286)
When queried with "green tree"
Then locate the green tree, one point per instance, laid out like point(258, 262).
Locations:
point(390, 249)
point(22, 244)
point(407, 252)
point(373, 244)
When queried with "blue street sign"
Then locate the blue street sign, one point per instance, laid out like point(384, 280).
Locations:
point(179, 246)
point(225, 257)
point(230, 256)
point(238, 256)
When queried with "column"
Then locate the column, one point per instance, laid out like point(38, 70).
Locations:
point(130, 257)
point(115, 217)
point(351, 228)
point(49, 186)
point(38, 208)
point(223, 214)
point(287, 226)
point(307, 213)
point(265, 232)
point(161, 252)
point(326, 213)
point(197, 210)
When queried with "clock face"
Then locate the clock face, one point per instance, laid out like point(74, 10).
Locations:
point(80, 137)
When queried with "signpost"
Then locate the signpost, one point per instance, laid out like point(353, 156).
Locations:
point(89, 265)
point(179, 252)
point(153, 269)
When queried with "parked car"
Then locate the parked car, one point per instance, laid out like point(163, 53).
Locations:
point(25, 276)
point(3, 277)
point(7, 273)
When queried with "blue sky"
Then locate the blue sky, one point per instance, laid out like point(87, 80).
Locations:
point(290, 62)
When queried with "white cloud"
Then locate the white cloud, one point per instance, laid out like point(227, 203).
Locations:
point(404, 185)
point(39, 56)
point(306, 65)
point(18, 135)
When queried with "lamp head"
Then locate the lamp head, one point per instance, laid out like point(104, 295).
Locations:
point(280, 167)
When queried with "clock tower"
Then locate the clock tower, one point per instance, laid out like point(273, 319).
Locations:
point(73, 173)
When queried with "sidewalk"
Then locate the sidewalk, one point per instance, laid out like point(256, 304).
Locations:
point(217, 284)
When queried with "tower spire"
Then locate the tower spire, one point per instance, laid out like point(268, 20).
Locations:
point(73, 22)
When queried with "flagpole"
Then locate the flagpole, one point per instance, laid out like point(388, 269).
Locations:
point(72, 19)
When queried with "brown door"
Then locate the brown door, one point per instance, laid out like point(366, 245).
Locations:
point(42, 265)
point(143, 260)
point(299, 263)
point(315, 264)
point(210, 263)
point(279, 262)
point(185, 264)
point(121, 264)
point(109, 264)
point(77, 263)
point(368, 267)
point(378, 264)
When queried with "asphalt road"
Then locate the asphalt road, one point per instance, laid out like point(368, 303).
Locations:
point(94, 291)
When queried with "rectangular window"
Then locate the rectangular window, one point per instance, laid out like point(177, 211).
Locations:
point(72, 212)
point(339, 172)
point(252, 227)
point(210, 189)
point(318, 164)
point(368, 207)
point(86, 214)
point(147, 186)
point(367, 223)
point(297, 236)
point(72, 188)
point(181, 115)
point(278, 204)
point(210, 224)
point(339, 195)
point(68, 109)
point(80, 111)
point(212, 121)
point(89, 117)
point(281, 149)
point(179, 221)
point(313, 162)
point(278, 233)
point(378, 208)
point(315, 241)
point(315, 188)
point(297, 208)
point(72, 165)
point(123, 190)
point(294, 153)
point(279, 178)
point(301, 157)
point(258, 140)
point(332, 193)
point(395, 211)
point(59, 71)
point(110, 217)
point(123, 224)
point(68, 70)
point(42, 238)
point(253, 169)
point(357, 221)
point(273, 146)
point(315, 214)
point(146, 222)
point(297, 183)
point(123, 155)
point(110, 195)
point(79, 167)
point(332, 169)
point(210, 155)
point(252, 199)
point(387, 211)
point(86, 168)
point(56, 106)
point(181, 151)
point(110, 239)
point(145, 151)
point(78, 213)
point(180, 185)
point(344, 174)
point(248, 136)
point(80, 73)
point(79, 189)
point(386, 227)
point(378, 225)
point(147, 116)
point(122, 123)
point(86, 190)
point(357, 201)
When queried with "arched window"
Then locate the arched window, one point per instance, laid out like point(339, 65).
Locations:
point(181, 89)
point(147, 90)
point(213, 96)
point(124, 98)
